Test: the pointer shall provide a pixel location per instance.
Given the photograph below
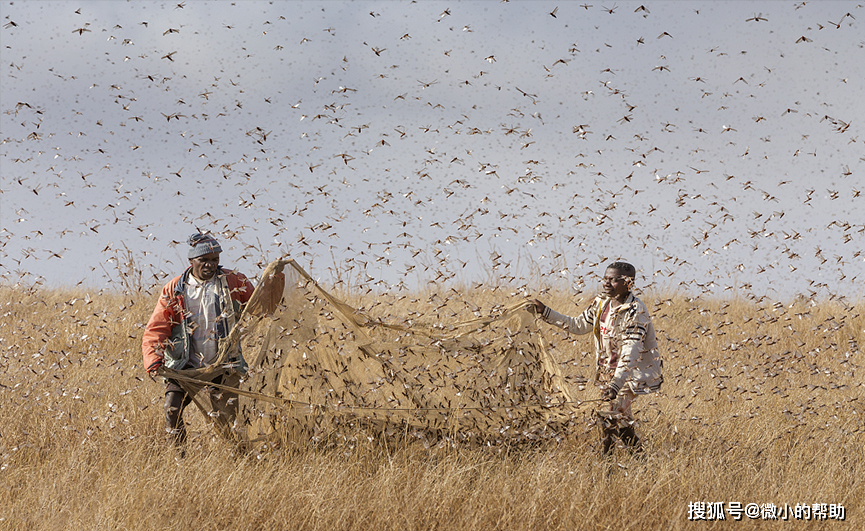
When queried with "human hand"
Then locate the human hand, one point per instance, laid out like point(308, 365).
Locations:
point(537, 307)
point(153, 370)
point(609, 393)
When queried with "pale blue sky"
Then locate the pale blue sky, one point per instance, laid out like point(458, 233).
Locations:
point(713, 144)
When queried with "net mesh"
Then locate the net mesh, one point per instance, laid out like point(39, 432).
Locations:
point(321, 370)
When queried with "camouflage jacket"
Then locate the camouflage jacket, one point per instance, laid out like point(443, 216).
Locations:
point(639, 362)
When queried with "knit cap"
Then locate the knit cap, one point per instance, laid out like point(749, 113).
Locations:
point(201, 244)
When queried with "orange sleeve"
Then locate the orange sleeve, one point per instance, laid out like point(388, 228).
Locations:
point(162, 321)
point(240, 286)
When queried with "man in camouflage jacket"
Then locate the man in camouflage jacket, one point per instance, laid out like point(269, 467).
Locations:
point(628, 362)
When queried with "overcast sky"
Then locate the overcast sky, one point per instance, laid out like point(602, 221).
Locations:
point(718, 146)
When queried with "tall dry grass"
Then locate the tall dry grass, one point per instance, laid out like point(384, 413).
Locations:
point(763, 403)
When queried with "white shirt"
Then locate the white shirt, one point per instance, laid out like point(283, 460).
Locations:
point(200, 297)
point(609, 339)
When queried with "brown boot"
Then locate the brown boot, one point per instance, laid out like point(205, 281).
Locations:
point(609, 427)
point(608, 439)
point(629, 436)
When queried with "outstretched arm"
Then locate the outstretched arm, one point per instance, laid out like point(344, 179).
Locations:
point(582, 324)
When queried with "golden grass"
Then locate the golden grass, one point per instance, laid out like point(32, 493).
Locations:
point(763, 403)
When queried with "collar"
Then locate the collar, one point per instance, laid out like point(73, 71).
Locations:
point(184, 278)
point(624, 306)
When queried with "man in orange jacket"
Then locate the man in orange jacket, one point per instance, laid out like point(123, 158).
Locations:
point(195, 312)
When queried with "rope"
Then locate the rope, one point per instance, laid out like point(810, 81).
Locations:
point(173, 375)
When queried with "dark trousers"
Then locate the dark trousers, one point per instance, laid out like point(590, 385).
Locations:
point(176, 400)
point(223, 406)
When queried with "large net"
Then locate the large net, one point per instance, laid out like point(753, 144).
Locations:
point(321, 370)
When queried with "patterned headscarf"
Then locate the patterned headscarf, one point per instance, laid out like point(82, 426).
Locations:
point(202, 244)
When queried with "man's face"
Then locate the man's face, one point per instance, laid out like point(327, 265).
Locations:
point(614, 284)
point(204, 266)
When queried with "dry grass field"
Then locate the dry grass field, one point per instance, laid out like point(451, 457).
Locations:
point(762, 404)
